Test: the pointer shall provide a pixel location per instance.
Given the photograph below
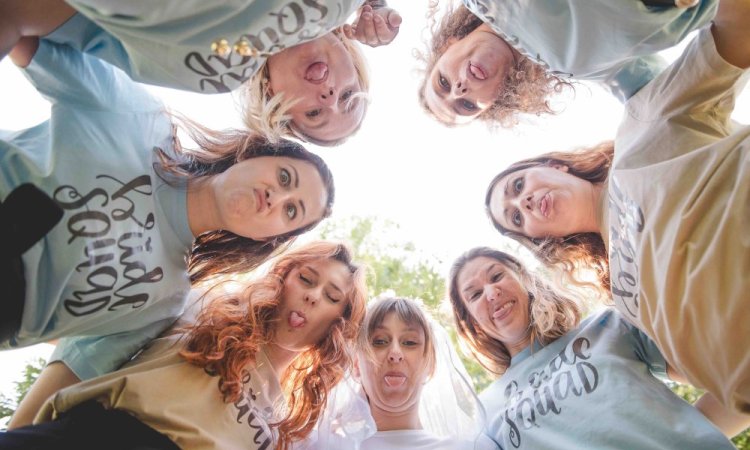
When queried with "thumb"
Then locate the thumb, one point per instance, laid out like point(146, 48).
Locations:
point(394, 19)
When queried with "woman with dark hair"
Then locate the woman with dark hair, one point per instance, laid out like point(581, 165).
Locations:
point(493, 59)
point(662, 215)
point(140, 218)
point(252, 372)
point(566, 383)
point(304, 75)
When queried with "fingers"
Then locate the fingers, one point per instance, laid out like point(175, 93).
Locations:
point(374, 27)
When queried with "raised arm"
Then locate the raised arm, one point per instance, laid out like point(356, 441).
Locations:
point(19, 18)
point(731, 30)
point(54, 377)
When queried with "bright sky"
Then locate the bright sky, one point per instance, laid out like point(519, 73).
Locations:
point(402, 165)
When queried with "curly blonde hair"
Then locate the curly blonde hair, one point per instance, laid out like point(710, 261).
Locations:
point(527, 85)
point(231, 330)
point(551, 312)
point(267, 114)
point(567, 254)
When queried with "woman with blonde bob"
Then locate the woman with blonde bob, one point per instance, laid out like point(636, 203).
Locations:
point(305, 76)
point(253, 371)
point(492, 60)
point(564, 382)
point(661, 213)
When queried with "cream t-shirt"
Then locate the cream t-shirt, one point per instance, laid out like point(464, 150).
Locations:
point(181, 400)
point(679, 220)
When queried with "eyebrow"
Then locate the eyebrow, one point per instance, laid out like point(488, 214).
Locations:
point(296, 176)
point(489, 269)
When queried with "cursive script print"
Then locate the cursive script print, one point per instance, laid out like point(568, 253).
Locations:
point(117, 231)
point(568, 374)
point(255, 418)
point(626, 224)
point(291, 23)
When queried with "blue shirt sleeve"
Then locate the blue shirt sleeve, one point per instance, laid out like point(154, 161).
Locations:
point(648, 352)
point(633, 74)
point(92, 356)
point(64, 75)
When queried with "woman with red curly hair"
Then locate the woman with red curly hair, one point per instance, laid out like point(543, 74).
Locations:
point(252, 372)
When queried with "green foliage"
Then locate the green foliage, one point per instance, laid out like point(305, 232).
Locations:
point(691, 394)
point(31, 372)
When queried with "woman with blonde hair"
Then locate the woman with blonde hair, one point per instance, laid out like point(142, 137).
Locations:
point(662, 213)
point(564, 382)
point(139, 219)
point(252, 372)
point(492, 60)
point(306, 79)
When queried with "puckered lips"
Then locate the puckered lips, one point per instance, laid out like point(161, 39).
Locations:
point(545, 204)
point(477, 71)
point(260, 200)
point(394, 378)
point(316, 72)
point(296, 319)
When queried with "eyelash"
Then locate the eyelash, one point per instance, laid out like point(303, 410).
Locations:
point(443, 82)
point(469, 106)
point(516, 218)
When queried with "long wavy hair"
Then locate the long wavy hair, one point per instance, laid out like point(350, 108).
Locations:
point(221, 252)
point(526, 87)
point(568, 254)
point(409, 312)
point(231, 330)
point(551, 312)
point(267, 114)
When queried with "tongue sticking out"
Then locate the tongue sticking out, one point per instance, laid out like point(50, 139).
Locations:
point(316, 72)
point(295, 320)
point(395, 380)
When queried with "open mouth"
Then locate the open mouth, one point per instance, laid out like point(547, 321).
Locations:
point(316, 72)
point(296, 319)
point(394, 379)
point(503, 311)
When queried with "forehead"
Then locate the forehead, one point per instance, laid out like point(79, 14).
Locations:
point(476, 271)
point(330, 270)
point(393, 323)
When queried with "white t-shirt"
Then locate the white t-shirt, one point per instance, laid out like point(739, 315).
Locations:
point(413, 440)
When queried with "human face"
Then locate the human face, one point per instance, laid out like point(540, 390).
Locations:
point(321, 76)
point(393, 380)
point(544, 201)
point(467, 78)
point(314, 296)
point(497, 301)
point(268, 196)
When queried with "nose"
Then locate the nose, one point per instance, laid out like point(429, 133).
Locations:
point(275, 197)
point(460, 88)
point(491, 293)
point(311, 298)
point(394, 353)
point(328, 96)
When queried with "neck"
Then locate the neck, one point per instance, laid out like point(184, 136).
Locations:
point(280, 358)
point(202, 213)
point(597, 191)
point(404, 420)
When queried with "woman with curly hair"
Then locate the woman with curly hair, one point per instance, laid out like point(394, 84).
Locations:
point(662, 213)
point(137, 219)
point(252, 372)
point(304, 76)
point(493, 59)
point(566, 383)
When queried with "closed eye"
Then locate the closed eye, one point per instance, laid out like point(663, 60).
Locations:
point(314, 113)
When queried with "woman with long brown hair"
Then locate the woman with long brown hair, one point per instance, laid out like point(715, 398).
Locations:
point(661, 214)
point(140, 217)
point(252, 372)
point(564, 382)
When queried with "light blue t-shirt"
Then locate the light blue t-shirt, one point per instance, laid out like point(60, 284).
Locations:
point(113, 269)
point(169, 42)
point(594, 388)
point(610, 41)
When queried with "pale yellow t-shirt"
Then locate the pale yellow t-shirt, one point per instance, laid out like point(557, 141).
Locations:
point(181, 400)
point(679, 221)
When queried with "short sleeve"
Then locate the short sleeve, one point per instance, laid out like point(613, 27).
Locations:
point(93, 356)
point(633, 74)
point(647, 351)
point(64, 75)
point(699, 86)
